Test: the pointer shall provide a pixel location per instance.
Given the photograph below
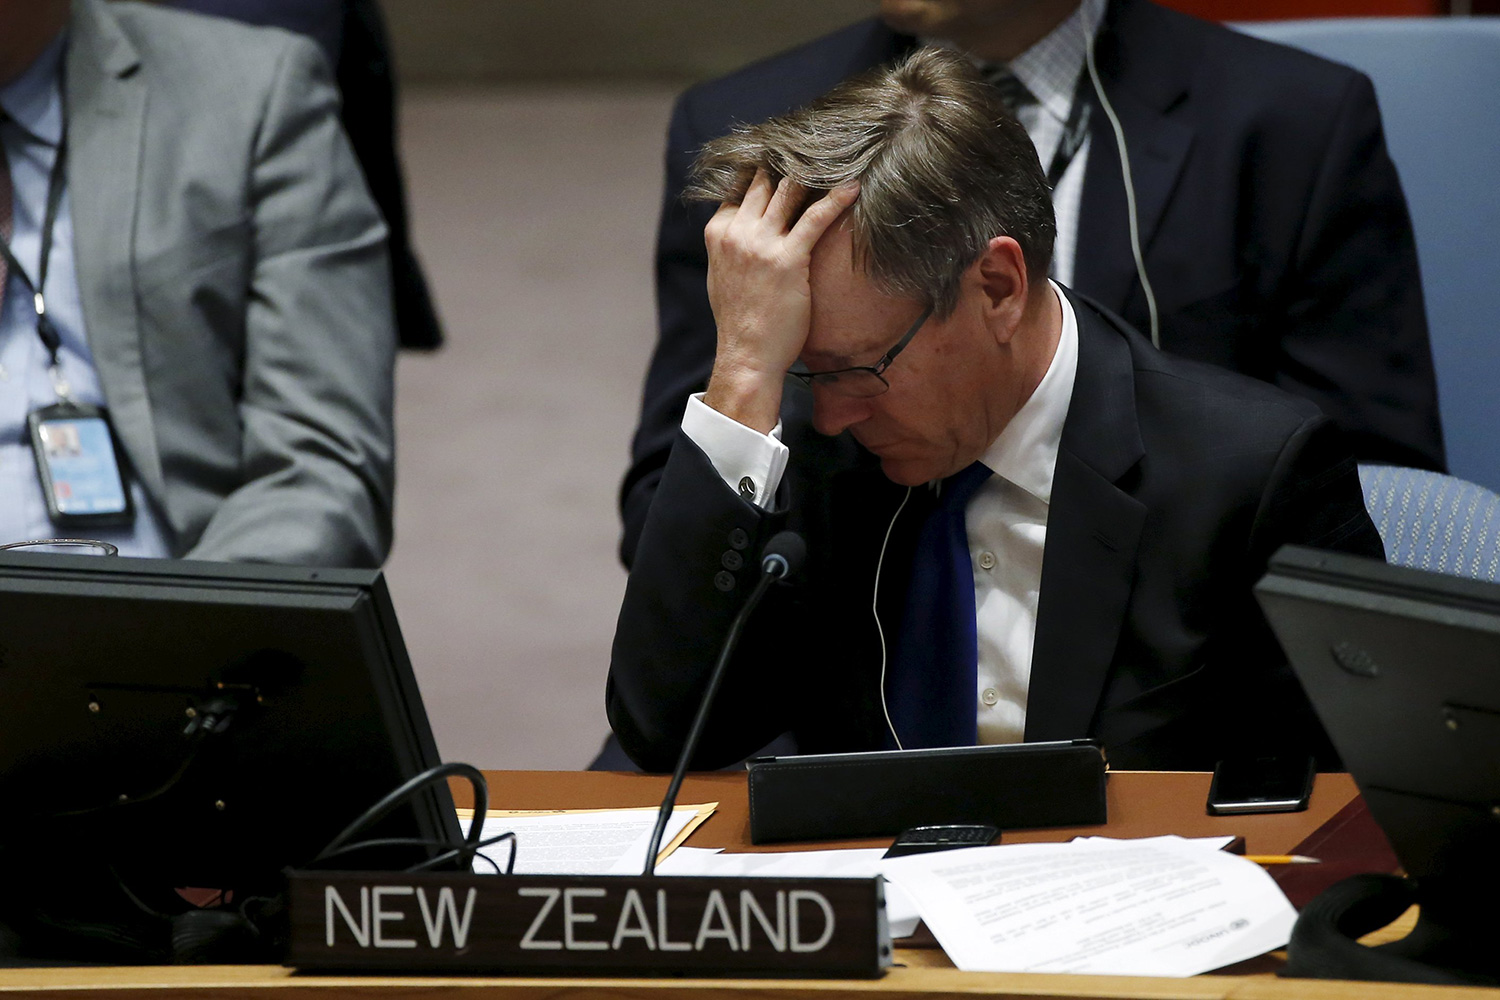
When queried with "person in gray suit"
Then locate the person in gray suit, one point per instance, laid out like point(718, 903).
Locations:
point(217, 279)
point(353, 37)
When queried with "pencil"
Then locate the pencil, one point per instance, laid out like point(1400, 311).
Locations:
point(1282, 859)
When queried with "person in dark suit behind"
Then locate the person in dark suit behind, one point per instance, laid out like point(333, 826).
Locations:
point(1274, 230)
point(352, 35)
point(1023, 521)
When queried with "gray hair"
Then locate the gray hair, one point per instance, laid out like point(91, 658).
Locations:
point(942, 167)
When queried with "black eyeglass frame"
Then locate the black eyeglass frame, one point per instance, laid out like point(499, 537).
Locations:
point(878, 369)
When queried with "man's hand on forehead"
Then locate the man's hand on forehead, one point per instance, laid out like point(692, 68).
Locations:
point(759, 261)
point(800, 196)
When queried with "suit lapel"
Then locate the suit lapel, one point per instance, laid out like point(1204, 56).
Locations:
point(1144, 82)
point(106, 98)
point(1093, 530)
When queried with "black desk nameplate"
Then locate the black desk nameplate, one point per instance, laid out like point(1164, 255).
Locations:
point(588, 925)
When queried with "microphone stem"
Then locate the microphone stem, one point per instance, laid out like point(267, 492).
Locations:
point(700, 721)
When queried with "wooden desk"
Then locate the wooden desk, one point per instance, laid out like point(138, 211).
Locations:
point(1140, 804)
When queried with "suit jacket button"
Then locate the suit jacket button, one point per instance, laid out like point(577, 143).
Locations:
point(724, 581)
point(732, 560)
point(739, 539)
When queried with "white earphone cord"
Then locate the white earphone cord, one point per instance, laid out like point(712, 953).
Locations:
point(875, 610)
point(1130, 211)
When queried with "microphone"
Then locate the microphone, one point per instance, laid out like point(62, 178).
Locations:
point(783, 555)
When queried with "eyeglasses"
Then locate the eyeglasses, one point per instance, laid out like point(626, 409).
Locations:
point(862, 380)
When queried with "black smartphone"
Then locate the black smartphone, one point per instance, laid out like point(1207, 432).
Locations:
point(925, 839)
point(1260, 785)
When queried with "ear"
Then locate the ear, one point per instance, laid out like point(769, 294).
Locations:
point(1003, 286)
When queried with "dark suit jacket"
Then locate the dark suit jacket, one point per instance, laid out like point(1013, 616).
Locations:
point(1276, 235)
point(1175, 481)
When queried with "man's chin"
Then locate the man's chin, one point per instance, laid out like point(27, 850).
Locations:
point(912, 17)
point(909, 473)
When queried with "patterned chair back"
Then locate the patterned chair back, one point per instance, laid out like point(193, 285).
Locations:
point(1438, 523)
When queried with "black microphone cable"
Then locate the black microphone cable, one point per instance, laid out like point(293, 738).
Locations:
point(464, 852)
point(783, 556)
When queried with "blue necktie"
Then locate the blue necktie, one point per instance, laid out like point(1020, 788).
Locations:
point(931, 689)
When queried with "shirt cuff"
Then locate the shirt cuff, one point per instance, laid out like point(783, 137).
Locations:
point(751, 463)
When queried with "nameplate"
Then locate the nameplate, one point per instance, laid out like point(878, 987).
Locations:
point(587, 925)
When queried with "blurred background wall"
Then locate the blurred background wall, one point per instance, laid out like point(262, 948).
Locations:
point(600, 40)
point(681, 40)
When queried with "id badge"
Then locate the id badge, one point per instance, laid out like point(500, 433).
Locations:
point(80, 466)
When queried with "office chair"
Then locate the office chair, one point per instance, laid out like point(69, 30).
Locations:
point(1434, 522)
point(1438, 83)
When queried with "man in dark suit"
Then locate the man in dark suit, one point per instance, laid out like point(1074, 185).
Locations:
point(1022, 519)
point(1274, 230)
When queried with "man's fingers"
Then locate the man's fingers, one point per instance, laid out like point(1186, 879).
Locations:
point(757, 195)
point(720, 222)
point(820, 215)
point(784, 203)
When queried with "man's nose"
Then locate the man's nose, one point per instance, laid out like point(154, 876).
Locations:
point(834, 413)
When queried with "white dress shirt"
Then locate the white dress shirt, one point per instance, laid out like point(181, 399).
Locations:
point(29, 139)
point(1007, 526)
point(1006, 521)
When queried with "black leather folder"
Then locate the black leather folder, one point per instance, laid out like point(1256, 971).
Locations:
point(1014, 786)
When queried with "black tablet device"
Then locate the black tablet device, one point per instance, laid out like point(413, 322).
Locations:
point(189, 724)
point(1403, 668)
point(1014, 786)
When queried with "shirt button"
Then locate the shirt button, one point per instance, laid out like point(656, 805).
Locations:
point(986, 560)
point(747, 488)
point(990, 696)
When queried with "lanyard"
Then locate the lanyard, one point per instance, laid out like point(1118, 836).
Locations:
point(1075, 131)
point(45, 329)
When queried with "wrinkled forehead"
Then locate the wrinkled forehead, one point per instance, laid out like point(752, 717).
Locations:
point(853, 320)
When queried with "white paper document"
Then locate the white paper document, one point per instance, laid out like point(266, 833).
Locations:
point(1162, 906)
point(1208, 843)
point(900, 910)
point(578, 843)
point(858, 863)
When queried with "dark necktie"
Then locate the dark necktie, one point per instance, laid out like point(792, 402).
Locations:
point(932, 687)
point(1012, 91)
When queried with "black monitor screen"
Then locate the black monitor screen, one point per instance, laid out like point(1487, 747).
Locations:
point(204, 724)
point(1403, 668)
